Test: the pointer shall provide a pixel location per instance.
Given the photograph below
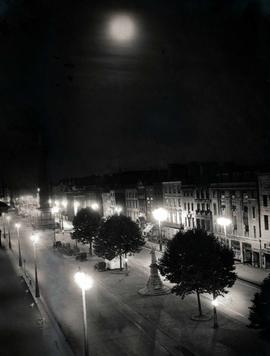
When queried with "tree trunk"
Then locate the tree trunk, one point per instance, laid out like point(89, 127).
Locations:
point(199, 303)
point(120, 259)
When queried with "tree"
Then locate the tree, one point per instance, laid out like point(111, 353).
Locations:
point(197, 263)
point(86, 224)
point(118, 236)
point(259, 315)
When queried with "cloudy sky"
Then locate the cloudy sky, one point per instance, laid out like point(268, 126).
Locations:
point(190, 82)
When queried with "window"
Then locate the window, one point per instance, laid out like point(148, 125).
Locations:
point(178, 189)
point(179, 202)
point(203, 205)
point(266, 223)
point(254, 231)
point(188, 207)
point(192, 206)
point(215, 208)
point(265, 200)
point(185, 206)
point(253, 212)
point(198, 206)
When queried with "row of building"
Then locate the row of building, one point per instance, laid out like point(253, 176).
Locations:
point(193, 197)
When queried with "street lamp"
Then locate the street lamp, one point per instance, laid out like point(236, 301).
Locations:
point(4, 225)
point(64, 204)
point(18, 225)
point(95, 206)
point(34, 239)
point(85, 282)
point(224, 222)
point(76, 205)
point(54, 211)
point(118, 209)
point(38, 197)
point(160, 215)
point(9, 240)
point(215, 304)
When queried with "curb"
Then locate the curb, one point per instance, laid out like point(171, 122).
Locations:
point(61, 346)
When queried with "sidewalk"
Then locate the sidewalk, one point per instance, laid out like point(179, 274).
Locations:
point(20, 323)
point(244, 272)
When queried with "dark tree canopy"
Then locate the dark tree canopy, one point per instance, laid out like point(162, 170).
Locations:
point(259, 315)
point(118, 235)
point(196, 262)
point(86, 224)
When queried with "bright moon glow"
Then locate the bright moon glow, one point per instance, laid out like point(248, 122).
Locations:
point(122, 28)
point(83, 280)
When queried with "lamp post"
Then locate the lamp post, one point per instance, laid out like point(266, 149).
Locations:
point(38, 198)
point(85, 282)
point(118, 210)
point(160, 215)
point(9, 239)
point(54, 211)
point(35, 239)
point(224, 222)
point(4, 225)
point(215, 304)
point(64, 204)
point(19, 243)
point(76, 205)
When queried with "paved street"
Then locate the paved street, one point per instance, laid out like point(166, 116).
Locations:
point(121, 322)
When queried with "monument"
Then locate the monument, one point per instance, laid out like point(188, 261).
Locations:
point(154, 284)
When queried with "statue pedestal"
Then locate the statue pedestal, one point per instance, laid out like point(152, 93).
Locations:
point(154, 284)
point(44, 219)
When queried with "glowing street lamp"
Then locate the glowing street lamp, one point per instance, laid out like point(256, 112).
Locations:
point(160, 215)
point(8, 218)
point(118, 210)
point(85, 282)
point(95, 206)
point(38, 197)
point(215, 304)
point(17, 226)
point(76, 205)
point(224, 222)
point(35, 239)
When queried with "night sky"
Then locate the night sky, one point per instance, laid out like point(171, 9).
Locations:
point(192, 84)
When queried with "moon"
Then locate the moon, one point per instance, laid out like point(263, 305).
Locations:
point(122, 28)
